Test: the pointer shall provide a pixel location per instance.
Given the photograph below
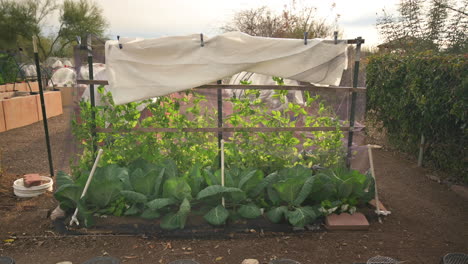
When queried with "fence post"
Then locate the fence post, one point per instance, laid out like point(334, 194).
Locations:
point(43, 107)
point(421, 151)
point(91, 94)
point(353, 101)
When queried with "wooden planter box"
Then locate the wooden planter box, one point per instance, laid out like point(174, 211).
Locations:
point(9, 87)
point(25, 110)
point(67, 96)
point(20, 111)
point(2, 88)
point(53, 103)
point(34, 86)
point(2, 118)
point(21, 87)
point(7, 95)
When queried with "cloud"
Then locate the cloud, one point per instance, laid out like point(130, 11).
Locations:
point(156, 18)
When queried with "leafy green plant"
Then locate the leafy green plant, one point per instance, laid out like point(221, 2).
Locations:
point(237, 192)
point(211, 195)
point(169, 176)
point(185, 149)
point(341, 190)
point(287, 190)
point(103, 193)
point(275, 150)
point(267, 151)
point(422, 94)
point(153, 191)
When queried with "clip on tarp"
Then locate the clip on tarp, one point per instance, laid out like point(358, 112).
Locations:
point(202, 43)
point(120, 45)
point(305, 37)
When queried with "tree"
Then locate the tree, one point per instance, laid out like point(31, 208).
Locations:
point(290, 23)
point(79, 19)
point(439, 25)
point(21, 20)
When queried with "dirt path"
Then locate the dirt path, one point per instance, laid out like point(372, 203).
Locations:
point(24, 149)
point(427, 221)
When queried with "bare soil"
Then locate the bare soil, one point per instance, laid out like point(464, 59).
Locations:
point(427, 221)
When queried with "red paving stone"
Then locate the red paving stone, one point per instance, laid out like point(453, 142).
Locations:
point(31, 180)
point(345, 221)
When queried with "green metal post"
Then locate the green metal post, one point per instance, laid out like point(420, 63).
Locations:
point(43, 108)
point(353, 101)
point(220, 120)
point(91, 94)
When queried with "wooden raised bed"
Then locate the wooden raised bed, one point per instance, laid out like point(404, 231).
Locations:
point(2, 119)
point(19, 111)
point(20, 86)
point(53, 102)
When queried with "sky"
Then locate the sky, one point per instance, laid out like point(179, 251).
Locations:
point(156, 18)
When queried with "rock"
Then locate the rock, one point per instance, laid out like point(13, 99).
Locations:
point(250, 261)
point(283, 261)
point(103, 260)
point(184, 261)
point(43, 213)
point(313, 227)
point(57, 213)
point(296, 228)
point(433, 178)
point(30, 180)
point(460, 190)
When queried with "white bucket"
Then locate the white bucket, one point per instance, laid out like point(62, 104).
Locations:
point(21, 191)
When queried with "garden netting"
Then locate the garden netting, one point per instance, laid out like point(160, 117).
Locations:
point(188, 161)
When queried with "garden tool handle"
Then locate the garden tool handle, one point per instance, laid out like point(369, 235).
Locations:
point(92, 173)
point(371, 161)
point(74, 219)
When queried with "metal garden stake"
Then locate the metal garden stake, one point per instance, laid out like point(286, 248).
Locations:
point(371, 161)
point(74, 219)
point(222, 170)
point(43, 106)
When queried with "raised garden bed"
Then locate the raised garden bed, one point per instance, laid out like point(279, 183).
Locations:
point(20, 87)
point(21, 109)
point(196, 227)
point(174, 177)
point(199, 201)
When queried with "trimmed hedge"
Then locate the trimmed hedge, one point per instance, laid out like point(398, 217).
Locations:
point(423, 93)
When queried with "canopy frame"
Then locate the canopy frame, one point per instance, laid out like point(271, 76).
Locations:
point(220, 129)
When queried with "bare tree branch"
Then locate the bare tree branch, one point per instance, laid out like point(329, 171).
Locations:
point(451, 8)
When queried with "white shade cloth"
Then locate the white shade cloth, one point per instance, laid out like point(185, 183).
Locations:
point(145, 68)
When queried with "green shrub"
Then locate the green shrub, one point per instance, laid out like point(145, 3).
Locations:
point(423, 93)
point(8, 69)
